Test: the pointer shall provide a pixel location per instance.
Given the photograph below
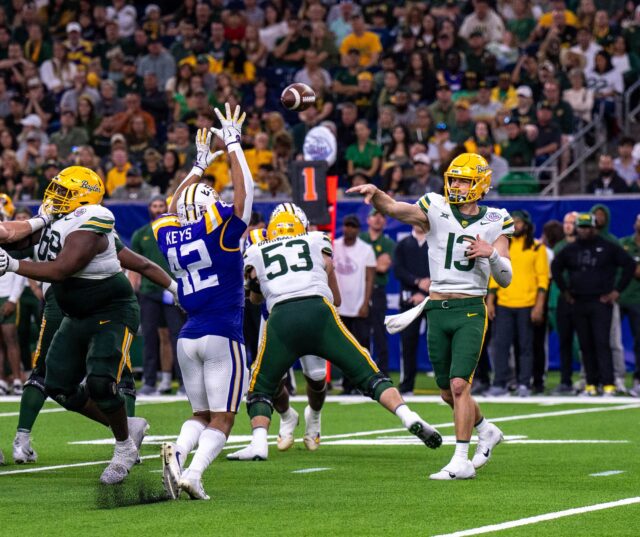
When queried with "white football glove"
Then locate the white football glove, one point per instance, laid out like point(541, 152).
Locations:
point(42, 219)
point(173, 289)
point(7, 263)
point(231, 130)
point(204, 156)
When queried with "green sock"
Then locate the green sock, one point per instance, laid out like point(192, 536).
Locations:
point(30, 405)
point(130, 405)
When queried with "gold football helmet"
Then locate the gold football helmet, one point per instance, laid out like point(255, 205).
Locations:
point(7, 210)
point(470, 167)
point(71, 188)
point(284, 225)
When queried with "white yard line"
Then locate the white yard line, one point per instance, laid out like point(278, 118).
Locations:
point(43, 411)
point(310, 470)
point(542, 518)
point(354, 435)
point(608, 473)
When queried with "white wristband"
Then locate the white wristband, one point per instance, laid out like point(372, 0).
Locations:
point(37, 223)
point(173, 287)
point(493, 258)
point(196, 170)
point(12, 264)
point(234, 147)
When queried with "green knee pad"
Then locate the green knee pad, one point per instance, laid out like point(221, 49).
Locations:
point(74, 401)
point(375, 385)
point(259, 404)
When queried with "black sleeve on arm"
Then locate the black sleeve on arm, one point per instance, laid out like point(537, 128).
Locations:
point(402, 274)
point(628, 265)
point(558, 268)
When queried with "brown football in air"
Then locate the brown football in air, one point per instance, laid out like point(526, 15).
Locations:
point(297, 97)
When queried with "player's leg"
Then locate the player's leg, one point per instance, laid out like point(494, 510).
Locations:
point(174, 455)
point(10, 338)
point(226, 377)
point(314, 369)
point(340, 347)
point(110, 343)
point(278, 350)
point(34, 395)
point(288, 416)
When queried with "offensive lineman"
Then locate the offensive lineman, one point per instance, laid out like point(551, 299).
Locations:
point(294, 273)
point(467, 242)
point(101, 311)
point(202, 246)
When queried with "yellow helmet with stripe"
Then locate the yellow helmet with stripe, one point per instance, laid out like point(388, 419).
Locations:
point(7, 210)
point(71, 188)
point(468, 167)
point(284, 225)
point(293, 209)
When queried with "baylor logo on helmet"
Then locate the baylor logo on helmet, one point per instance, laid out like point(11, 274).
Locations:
point(92, 188)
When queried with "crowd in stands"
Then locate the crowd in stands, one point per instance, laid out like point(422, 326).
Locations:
point(402, 86)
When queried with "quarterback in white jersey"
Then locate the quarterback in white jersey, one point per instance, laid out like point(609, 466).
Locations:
point(294, 272)
point(467, 243)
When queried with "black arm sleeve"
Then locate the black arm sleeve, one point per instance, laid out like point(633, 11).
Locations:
point(628, 265)
point(403, 275)
point(557, 270)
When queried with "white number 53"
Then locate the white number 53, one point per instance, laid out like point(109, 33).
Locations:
point(190, 274)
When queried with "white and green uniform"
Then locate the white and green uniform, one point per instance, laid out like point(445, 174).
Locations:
point(101, 315)
point(313, 367)
point(302, 319)
point(457, 327)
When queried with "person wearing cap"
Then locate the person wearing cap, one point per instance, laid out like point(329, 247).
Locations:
point(549, 134)
point(442, 110)
point(119, 162)
point(440, 146)
point(424, 180)
point(367, 43)
point(134, 188)
point(383, 247)
point(485, 20)
point(518, 307)
point(365, 99)
point(504, 92)
point(130, 82)
point(158, 61)
point(630, 301)
point(591, 273)
point(519, 145)
point(355, 264)
point(69, 135)
point(478, 59)
point(79, 51)
point(484, 109)
point(524, 111)
point(155, 310)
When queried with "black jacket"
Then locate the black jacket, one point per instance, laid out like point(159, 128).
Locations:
point(617, 186)
point(411, 263)
point(591, 268)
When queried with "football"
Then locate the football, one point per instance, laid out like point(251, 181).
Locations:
point(297, 97)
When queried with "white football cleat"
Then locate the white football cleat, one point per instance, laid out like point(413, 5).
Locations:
point(17, 387)
point(285, 434)
point(138, 428)
point(250, 453)
point(171, 470)
point(488, 440)
point(455, 470)
point(193, 487)
point(22, 450)
point(312, 429)
point(122, 461)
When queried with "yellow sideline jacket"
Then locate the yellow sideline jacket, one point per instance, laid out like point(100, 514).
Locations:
point(530, 274)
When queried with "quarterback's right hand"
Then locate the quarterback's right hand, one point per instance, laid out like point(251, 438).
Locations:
point(204, 156)
point(231, 130)
point(368, 191)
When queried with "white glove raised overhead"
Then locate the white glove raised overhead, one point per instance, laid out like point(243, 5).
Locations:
point(204, 155)
point(231, 130)
point(7, 263)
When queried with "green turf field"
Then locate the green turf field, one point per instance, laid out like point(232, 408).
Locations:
point(370, 478)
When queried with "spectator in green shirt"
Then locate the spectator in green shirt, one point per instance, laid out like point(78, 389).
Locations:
point(365, 154)
point(518, 146)
point(157, 310)
point(383, 247)
point(630, 300)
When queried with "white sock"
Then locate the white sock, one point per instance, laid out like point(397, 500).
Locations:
point(259, 436)
point(209, 447)
point(188, 438)
point(314, 414)
point(165, 376)
point(286, 415)
point(23, 435)
point(462, 451)
point(125, 444)
point(482, 427)
point(407, 416)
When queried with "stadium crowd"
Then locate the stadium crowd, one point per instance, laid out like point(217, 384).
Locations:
point(401, 87)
